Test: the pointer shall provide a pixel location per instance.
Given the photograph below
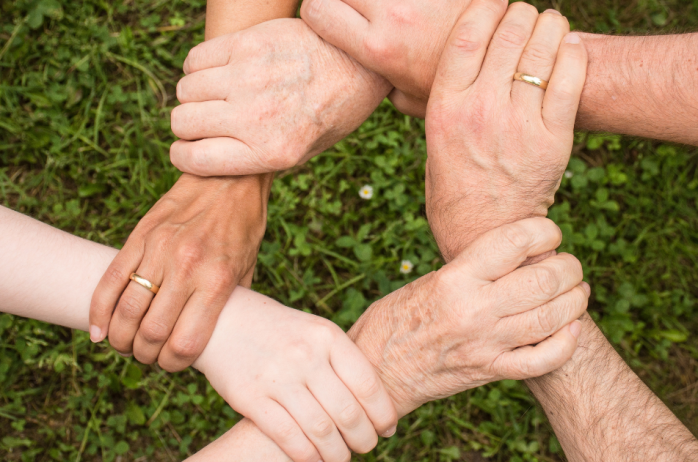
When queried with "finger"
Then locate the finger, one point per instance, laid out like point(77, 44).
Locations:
point(533, 361)
point(159, 321)
point(467, 45)
point(205, 85)
point(538, 324)
point(561, 99)
point(131, 308)
point(345, 411)
point(277, 424)
point(341, 25)
point(111, 286)
point(211, 53)
point(194, 121)
point(246, 280)
point(316, 424)
point(408, 104)
point(220, 156)
point(193, 329)
point(363, 381)
point(501, 250)
point(504, 52)
point(538, 59)
point(532, 286)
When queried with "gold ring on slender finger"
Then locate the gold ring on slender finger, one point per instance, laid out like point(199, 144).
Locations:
point(144, 282)
point(531, 80)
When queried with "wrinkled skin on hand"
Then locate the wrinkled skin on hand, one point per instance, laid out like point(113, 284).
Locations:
point(266, 99)
point(474, 321)
point(497, 148)
point(401, 40)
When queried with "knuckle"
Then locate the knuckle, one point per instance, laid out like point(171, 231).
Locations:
point(130, 307)
point(286, 431)
point(222, 281)
point(115, 276)
point(512, 35)
point(546, 318)
point(545, 281)
point(189, 254)
point(466, 40)
point(402, 14)
point(537, 54)
point(369, 386)
point(350, 416)
point(322, 427)
point(517, 236)
point(154, 332)
point(183, 346)
point(378, 49)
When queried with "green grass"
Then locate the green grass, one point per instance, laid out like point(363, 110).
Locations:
point(85, 93)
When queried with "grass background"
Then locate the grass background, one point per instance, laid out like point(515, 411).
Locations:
point(86, 88)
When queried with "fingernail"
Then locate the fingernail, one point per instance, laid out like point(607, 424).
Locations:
point(586, 287)
point(576, 329)
point(389, 433)
point(125, 356)
point(573, 38)
point(95, 334)
point(551, 11)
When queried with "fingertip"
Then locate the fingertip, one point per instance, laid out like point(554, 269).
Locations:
point(586, 287)
point(96, 334)
point(390, 432)
point(573, 38)
point(576, 329)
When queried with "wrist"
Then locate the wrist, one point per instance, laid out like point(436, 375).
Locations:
point(382, 335)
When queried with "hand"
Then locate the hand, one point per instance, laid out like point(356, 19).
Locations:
point(196, 243)
point(476, 319)
point(401, 40)
point(266, 99)
point(497, 148)
point(298, 377)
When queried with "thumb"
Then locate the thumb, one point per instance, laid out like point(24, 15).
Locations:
point(501, 250)
point(467, 45)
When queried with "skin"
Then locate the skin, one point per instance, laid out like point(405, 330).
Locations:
point(266, 99)
point(480, 304)
point(298, 376)
point(600, 410)
point(639, 86)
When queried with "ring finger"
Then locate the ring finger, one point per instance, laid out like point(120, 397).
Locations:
point(508, 43)
point(132, 306)
point(539, 57)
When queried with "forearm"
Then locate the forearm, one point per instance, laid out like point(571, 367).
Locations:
point(600, 409)
point(642, 86)
point(228, 16)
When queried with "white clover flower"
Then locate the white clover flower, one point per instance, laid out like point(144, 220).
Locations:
point(406, 267)
point(366, 192)
point(569, 174)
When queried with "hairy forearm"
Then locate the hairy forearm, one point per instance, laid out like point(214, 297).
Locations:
point(642, 86)
point(601, 410)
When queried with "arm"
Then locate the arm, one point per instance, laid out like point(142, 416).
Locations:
point(421, 355)
point(598, 407)
point(202, 236)
point(640, 86)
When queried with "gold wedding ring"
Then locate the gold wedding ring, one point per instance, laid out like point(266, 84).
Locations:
point(144, 282)
point(531, 80)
